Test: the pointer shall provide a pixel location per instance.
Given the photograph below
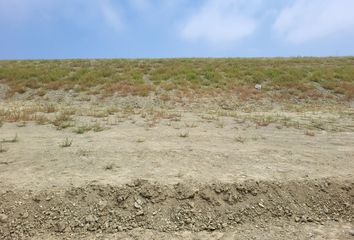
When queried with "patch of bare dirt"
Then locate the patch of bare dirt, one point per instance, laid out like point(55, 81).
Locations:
point(174, 208)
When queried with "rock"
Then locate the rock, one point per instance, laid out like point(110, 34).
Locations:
point(102, 205)
point(90, 219)
point(25, 215)
point(140, 213)
point(138, 204)
point(351, 232)
point(3, 218)
point(59, 227)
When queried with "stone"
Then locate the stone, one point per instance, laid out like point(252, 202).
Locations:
point(90, 219)
point(60, 227)
point(3, 218)
point(140, 213)
point(137, 205)
point(25, 215)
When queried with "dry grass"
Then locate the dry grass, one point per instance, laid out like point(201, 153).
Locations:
point(66, 143)
point(310, 133)
point(2, 149)
point(184, 134)
point(63, 120)
point(284, 78)
point(12, 140)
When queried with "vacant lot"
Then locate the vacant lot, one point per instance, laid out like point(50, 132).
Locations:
point(177, 149)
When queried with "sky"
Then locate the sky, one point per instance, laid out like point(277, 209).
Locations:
point(57, 29)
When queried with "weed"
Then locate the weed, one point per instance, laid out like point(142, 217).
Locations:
point(49, 108)
point(220, 125)
point(2, 149)
point(12, 140)
point(82, 129)
point(41, 92)
point(140, 140)
point(184, 134)
point(41, 119)
point(109, 166)
point(66, 143)
point(190, 125)
point(21, 124)
point(112, 110)
point(240, 139)
point(97, 127)
point(63, 120)
point(310, 133)
point(264, 121)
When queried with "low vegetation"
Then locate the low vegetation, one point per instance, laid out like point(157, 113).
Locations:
point(2, 149)
point(66, 143)
point(285, 78)
point(11, 140)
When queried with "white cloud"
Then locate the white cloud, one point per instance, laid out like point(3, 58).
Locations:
point(221, 22)
point(307, 20)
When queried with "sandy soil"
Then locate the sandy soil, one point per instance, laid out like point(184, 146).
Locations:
point(201, 176)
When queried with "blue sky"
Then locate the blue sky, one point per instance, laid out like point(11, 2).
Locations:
point(47, 29)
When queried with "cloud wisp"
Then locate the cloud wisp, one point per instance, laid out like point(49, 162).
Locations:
point(111, 15)
point(221, 22)
point(305, 20)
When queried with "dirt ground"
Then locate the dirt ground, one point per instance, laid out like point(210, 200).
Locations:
point(199, 171)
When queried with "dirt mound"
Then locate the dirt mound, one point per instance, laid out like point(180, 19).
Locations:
point(166, 208)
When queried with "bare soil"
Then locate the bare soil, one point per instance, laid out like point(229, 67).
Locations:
point(208, 173)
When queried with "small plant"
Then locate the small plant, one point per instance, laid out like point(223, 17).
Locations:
point(97, 127)
point(184, 134)
point(309, 133)
point(264, 121)
point(50, 108)
point(109, 166)
point(13, 140)
point(112, 110)
point(66, 143)
point(220, 125)
point(41, 92)
point(190, 125)
point(63, 120)
point(240, 139)
point(2, 149)
point(82, 129)
point(140, 140)
point(41, 119)
point(21, 124)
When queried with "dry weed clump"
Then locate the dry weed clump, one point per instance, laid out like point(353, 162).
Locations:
point(184, 134)
point(66, 143)
point(310, 133)
point(87, 127)
point(63, 120)
point(2, 149)
point(12, 140)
